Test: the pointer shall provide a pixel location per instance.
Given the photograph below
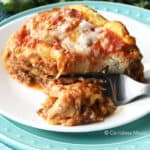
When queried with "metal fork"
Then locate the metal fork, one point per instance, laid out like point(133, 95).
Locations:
point(125, 89)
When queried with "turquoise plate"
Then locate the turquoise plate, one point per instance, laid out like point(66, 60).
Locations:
point(134, 136)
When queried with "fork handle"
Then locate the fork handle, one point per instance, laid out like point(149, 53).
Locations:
point(146, 90)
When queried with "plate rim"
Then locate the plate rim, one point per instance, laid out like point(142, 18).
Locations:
point(4, 22)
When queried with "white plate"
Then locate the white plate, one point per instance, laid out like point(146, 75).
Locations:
point(20, 103)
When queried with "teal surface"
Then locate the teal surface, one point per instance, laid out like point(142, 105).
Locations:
point(134, 136)
point(4, 147)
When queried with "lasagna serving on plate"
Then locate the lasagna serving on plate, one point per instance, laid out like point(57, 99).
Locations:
point(67, 41)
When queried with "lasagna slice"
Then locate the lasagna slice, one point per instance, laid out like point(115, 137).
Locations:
point(71, 40)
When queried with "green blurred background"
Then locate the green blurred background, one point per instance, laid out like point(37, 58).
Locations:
point(10, 7)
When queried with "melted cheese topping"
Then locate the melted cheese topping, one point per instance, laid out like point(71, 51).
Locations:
point(70, 31)
point(88, 35)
